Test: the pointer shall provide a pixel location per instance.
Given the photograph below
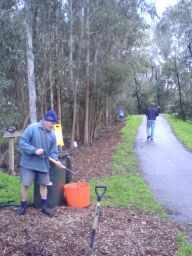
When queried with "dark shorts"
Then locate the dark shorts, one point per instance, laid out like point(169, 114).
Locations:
point(27, 177)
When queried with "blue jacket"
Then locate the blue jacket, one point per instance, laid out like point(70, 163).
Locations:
point(152, 113)
point(120, 112)
point(36, 136)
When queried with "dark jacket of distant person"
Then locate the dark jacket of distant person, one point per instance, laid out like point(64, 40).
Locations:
point(152, 112)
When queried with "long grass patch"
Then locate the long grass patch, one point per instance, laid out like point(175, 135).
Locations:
point(126, 188)
point(182, 129)
point(10, 189)
point(124, 159)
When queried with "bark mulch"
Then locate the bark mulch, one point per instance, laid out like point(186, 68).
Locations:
point(120, 231)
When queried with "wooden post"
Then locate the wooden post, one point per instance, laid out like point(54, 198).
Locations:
point(11, 156)
point(11, 136)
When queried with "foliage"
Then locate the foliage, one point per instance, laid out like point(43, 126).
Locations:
point(11, 42)
point(113, 74)
point(127, 67)
point(10, 189)
point(185, 248)
point(127, 188)
point(125, 160)
point(116, 30)
point(182, 129)
point(174, 41)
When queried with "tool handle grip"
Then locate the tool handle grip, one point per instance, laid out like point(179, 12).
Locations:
point(100, 191)
point(55, 162)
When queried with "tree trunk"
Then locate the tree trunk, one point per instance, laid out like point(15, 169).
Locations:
point(94, 99)
point(51, 86)
point(107, 110)
point(71, 74)
point(77, 129)
point(86, 121)
point(58, 88)
point(75, 133)
point(30, 63)
point(57, 79)
point(137, 96)
point(180, 94)
point(157, 87)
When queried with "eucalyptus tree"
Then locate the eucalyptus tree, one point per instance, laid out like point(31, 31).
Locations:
point(174, 33)
point(30, 62)
point(131, 49)
point(48, 20)
point(97, 29)
point(128, 27)
point(83, 61)
point(13, 90)
point(99, 34)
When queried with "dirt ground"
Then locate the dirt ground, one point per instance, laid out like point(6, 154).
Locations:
point(120, 231)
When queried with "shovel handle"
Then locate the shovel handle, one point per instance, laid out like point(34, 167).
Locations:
point(61, 166)
point(55, 162)
point(100, 191)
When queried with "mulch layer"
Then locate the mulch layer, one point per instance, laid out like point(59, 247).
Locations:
point(120, 231)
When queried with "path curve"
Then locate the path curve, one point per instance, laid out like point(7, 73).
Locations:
point(167, 168)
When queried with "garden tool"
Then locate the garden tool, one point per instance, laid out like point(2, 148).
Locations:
point(100, 190)
point(62, 166)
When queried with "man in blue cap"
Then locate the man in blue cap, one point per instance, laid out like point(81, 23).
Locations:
point(38, 142)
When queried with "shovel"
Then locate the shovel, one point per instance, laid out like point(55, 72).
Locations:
point(100, 190)
point(62, 166)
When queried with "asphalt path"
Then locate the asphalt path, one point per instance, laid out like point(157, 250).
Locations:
point(167, 168)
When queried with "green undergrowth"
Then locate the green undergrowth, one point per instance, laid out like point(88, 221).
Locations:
point(10, 189)
point(125, 159)
point(126, 188)
point(185, 249)
point(182, 129)
point(2, 141)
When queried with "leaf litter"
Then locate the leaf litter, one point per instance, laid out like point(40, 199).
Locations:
point(120, 231)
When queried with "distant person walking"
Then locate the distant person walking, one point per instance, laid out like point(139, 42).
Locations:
point(151, 114)
point(120, 115)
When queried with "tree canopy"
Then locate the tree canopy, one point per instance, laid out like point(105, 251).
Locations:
point(87, 58)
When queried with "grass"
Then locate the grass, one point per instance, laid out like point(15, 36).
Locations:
point(129, 190)
point(125, 158)
point(126, 188)
point(182, 129)
point(2, 141)
point(10, 189)
point(185, 249)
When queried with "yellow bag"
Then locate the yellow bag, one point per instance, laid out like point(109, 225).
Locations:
point(58, 133)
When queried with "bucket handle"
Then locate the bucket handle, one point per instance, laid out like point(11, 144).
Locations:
point(101, 193)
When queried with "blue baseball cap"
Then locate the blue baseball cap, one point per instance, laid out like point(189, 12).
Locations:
point(51, 116)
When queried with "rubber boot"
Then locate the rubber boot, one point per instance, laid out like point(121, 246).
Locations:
point(22, 209)
point(45, 209)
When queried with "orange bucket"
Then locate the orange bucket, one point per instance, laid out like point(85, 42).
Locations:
point(77, 194)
